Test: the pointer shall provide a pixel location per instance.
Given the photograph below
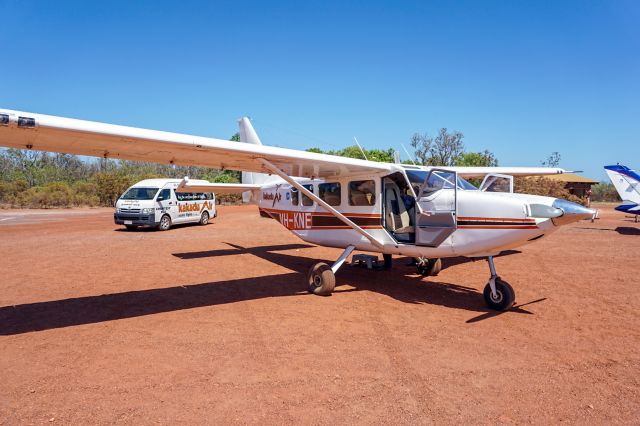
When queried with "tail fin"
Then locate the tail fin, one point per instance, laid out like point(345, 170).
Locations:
point(626, 181)
point(249, 135)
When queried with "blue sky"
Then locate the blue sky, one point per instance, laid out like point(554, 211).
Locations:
point(520, 78)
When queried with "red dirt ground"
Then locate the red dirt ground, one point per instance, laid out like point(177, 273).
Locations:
point(213, 325)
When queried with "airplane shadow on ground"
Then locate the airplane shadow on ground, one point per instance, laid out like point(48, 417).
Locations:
point(401, 283)
point(622, 230)
point(627, 230)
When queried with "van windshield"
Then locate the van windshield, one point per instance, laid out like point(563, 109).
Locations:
point(140, 194)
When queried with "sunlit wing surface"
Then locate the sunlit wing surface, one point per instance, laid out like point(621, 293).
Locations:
point(188, 185)
point(57, 134)
point(475, 172)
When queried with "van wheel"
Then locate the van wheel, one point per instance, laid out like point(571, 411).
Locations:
point(131, 227)
point(165, 223)
point(204, 219)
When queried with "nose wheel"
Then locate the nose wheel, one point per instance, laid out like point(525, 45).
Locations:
point(498, 294)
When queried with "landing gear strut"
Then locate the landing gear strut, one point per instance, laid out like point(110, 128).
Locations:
point(498, 294)
point(322, 278)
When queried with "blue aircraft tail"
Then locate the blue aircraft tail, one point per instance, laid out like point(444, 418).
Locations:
point(627, 183)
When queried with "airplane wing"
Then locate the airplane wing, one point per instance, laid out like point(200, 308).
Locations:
point(57, 134)
point(187, 185)
point(476, 172)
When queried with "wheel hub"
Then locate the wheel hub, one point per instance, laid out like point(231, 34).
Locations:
point(317, 280)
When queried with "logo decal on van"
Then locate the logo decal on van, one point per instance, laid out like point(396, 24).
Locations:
point(194, 207)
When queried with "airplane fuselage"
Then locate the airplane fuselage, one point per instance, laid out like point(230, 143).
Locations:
point(484, 223)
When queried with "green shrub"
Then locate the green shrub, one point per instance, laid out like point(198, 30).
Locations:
point(604, 191)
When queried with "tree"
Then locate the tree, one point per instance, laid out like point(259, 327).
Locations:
point(552, 160)
point(477, 159)
point(422, 147)
point(353, 151)
point(447, 147)
point(604, 191)
point(443, 150)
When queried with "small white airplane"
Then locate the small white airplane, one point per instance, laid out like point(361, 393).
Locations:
point(627, 183)
point(427, 213)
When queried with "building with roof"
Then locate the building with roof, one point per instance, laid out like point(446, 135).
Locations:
point(577, 185)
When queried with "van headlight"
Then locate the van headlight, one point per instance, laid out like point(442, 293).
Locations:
point(147, 211)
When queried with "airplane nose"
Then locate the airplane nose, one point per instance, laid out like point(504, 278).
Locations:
point(571, 212)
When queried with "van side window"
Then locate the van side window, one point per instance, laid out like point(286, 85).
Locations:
point(294, 197)
point(165, 194)
point(362, 193)
point(330, 193)
point(306, 201)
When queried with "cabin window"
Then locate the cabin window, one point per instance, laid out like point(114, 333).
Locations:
point(330, 193)
point(294, 197)
point(362, 193)
point(4, 119)
point(27, 122)
point(306, 201)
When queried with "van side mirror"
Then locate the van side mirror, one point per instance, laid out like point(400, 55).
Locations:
point(160, 198)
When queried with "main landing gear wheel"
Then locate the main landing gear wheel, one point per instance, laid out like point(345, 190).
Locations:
point(165, 223)
point(503, 298)
point(429, 267)
point(204, 218)
point(321, 279)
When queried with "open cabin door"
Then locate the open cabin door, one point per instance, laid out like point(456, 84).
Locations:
point(438, 201)
point(496, 182)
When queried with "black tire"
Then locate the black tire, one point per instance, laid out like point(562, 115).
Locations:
point(131, 227)
point(165, 223)
point(506, 296)
point(204, 218)
point(321, 279)
point(429, 267)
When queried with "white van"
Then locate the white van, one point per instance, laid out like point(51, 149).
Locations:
point(154, 202)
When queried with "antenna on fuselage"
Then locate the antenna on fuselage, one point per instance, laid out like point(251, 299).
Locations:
point(361, 150)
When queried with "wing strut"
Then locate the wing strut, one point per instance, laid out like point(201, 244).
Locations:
point(321, 202)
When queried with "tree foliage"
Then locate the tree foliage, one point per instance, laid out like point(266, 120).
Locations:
point(540, 185)
point(604, 191)
point(477, 159)
point(443, 150)
point(353, 151)
point(553, 160)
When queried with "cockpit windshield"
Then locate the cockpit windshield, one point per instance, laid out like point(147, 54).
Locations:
point(140, 194)
point(439, 179)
